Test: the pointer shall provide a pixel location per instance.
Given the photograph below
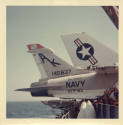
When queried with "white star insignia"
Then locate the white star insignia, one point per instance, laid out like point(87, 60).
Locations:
point(85, 51)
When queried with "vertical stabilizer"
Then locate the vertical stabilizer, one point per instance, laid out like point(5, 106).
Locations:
point(86, 51)
point(31, 48)
point(50, 65)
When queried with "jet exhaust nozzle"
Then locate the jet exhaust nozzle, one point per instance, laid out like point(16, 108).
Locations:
point(42, 91)
point(39, 91)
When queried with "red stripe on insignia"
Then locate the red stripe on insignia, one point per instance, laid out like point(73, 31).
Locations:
point(76, 43)
point(92, 61)
point(79, 42)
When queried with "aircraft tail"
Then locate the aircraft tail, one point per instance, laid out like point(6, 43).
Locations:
point(50, 65)
point(85, 51)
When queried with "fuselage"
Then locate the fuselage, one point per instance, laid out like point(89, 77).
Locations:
point(86, 85)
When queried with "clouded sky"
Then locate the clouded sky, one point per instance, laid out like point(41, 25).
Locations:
point(44, 25)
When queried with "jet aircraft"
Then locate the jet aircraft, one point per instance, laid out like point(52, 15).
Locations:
point(60, 79)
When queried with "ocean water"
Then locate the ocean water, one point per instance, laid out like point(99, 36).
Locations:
point(30, 110)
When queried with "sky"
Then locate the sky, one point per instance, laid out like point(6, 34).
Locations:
point(45, 25)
